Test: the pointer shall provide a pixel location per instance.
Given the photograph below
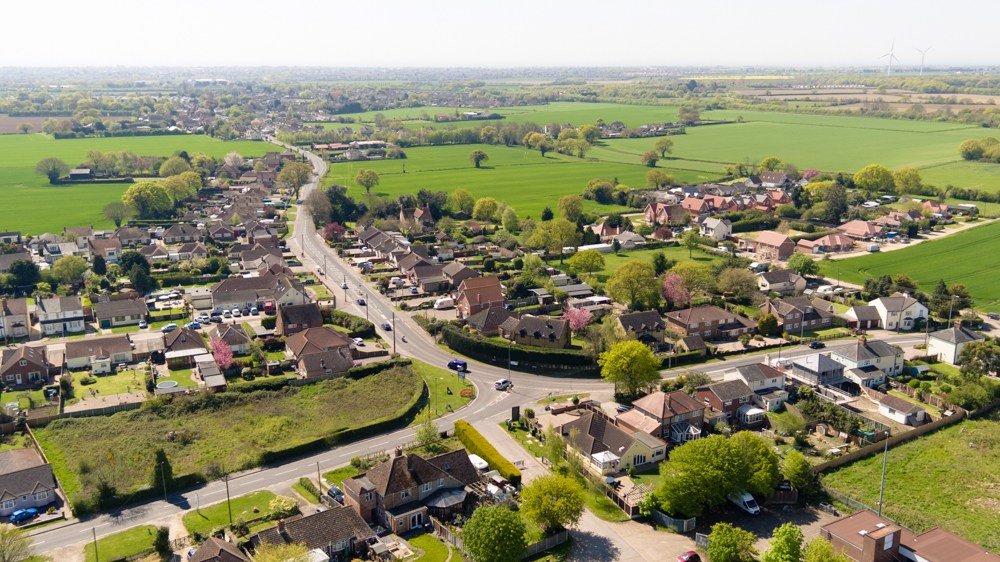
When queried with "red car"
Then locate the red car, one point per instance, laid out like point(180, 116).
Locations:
point(689, 556)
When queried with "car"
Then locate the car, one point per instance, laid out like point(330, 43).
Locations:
point(169, 327)
point(816, 345)
point(503, 384)
point(359, 342)
point(414, 290)
point(335, 494)
point(216, 318)
point(163, 298)
point(254, 311)
point(227, 314)
point(343, 286)
point(689, 556)
point(458, 365)
point(193, 325)
point(22, 515)
point(143, 325)
point(387, 326)
point(361, 302)
point(622, 408)
point(993, 316)
point(237, 312)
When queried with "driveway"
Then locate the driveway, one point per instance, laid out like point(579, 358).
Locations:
point(771, 517)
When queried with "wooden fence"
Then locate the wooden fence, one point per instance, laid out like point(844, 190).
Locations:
point(926, 397)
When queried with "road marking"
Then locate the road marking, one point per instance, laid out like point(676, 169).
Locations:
point(287, 471)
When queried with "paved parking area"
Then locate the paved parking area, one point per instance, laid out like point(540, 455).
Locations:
point(770, 518)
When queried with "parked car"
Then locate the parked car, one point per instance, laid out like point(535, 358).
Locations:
point(359, 342)
point(22, 515)
point(335, 494)
point(503, 384)
point(143, 325)
point(744, 501)
point(193, 325)
point(689, 556)
point(216, 318)
point(343, 285)
point(254, 311)
point(622, 408)
point(227, 314)
point(816, 345)
point(237, 312)
point(169, 328)
point(387, 326)
point(414, 290)
point(993, 316)
point(458, 365)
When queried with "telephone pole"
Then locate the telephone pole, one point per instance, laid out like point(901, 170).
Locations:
point(229, 504)
point(885, 458)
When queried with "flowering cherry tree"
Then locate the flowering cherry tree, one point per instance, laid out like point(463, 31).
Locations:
point(222, 353)
point(334, 232)
point(674, 291)
point(578, 318)
point(810, 174)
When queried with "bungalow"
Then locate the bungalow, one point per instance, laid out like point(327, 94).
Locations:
point(234, 335)
point(771, 245)
point(608, 448)
point(947, 344)
point(869, 355)
point(181, 233)
point(536, 331)
point(293, 318)
point(218, 550)
point(430, 278)
point(673, 416)
point(259, 255)
point(715, 228)
point(192, 251)
point(119, 312)
point(666, 214)
point(60, 315)
point(861, 230)
point(99, 355)
point(901, 411)
point(11, 237)
point(249, 291)
point(26, 480)
point(781, 281)
point(899, 311)
point(709, 322)
point(774, 179)
point(108, 248)
point(7, 260)
point(691, 344)
point(130, 236)
point(221, 233)
point(154, 253)
point(817, 370)
point(320, 352)
point(478, 293)
point(409, 261)
point(53, 252)
point(15, 322)
point(647, 327)
point(837, 242)
point(24, 367)
point(488, 321)
point(339, 532)
point(797, 314)
point(629, 240)
point(182, 346)
point(733, 399)
point(862, 317)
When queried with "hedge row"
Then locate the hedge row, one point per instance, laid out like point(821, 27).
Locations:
point(377, 367)
point(476, 444)
point(358, 326)
point(539, 358)
point(269, 383)
point(685, 358)
point(172, 279)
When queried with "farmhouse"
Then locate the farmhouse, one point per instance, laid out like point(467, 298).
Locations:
point(673, 416)
point(609, 448)
point(947, 344)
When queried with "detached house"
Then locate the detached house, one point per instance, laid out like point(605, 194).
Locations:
point(24, 367)
point(771, 245)
point(860, 230)
point(99, 355)
point(868, 362)
point(673, 416)
point(182, 346)
point(15, 322)
point(26, 480)
point(60, 315)
point(734, 399)
point(766, 382)
point(416, 217)
point(666, 214)
point(709, 322)
point(818, 370)
point(899, 311)
point(108, 248)
point(536, 331)
point(244, 292)
point(797, 314)
point(609, 448)
point(647, 327)
point(120, 312)
point(716, 229)
point(294, 318)
point(479, 293)
point(234, 335)
point(181, 233)
point(456, 272)
point(947, 344)
point(130, 236)
point(781, 281)
point(321, 351)
point(338, 532)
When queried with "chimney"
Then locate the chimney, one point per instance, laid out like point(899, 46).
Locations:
point(958, 321)
point(281, 527)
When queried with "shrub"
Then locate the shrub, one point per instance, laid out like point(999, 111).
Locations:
point(268, 322)
point(529, 413)
point(87, 380)
point(478, 445)
point(161, 542)
point(309, 486)
point(467, 393)
point(358, 326)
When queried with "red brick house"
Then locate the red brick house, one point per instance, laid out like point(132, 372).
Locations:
point(24, 367)
point(734, 400)
point(771, 245)
point(478, 293)
point(663, 213)
point(673, 416)
point(709, 322)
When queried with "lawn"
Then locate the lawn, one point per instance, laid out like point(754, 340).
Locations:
point(129, 380)
point(215, 434)
point(215, 516)
point(947, 478)
point(676, 253)
point(337, 476)
point(970, 258)
point(45, 208)
point(181, 376)
point(438, 382)
point(13, 441)
point(302, 491)
point(119, 546)
point(435, 550)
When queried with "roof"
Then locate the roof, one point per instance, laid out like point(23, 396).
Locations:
point(898, 404)
point(61, 304)
point(232, 334)
point(313, 340)
point(647, 321)
point(403, 472)
point(6, 260)
point(34, 355)
point(218, 550)
point(667, 405)
point(120, 307)
point(19, 459)
point(758, 372)
point(98, 347)
point(457, 464)
point(713, 222)
point(489, 319)
point(898, 302)
point(596, 434)
point(939, 545)
point(956, 335)
point(319, 530)
point(780, 276)
point(481, 289)
point(13, 307)
point(865, 313)
point(853, 528)
point(538, 327)
point(860, 228)
point(308, 314)
point(693, 343)
point(183, 339)
point(802, 305)
point(23, 476)
point(772, 238)
point(706, 313)
point(818, 363)
point(865, 350)
point(729, 390)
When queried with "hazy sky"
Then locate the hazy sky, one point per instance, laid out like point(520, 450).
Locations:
point(494, 33)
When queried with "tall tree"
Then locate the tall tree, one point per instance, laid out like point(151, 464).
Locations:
point(52, 168)
point(173, 166)
point(553, 502)
point(786, 545)
point(477, 157)
point(648, 159)
point(571, 207)
point(99, 265)
point(688, 114)
point(737, 282)
point(630, 365)
point(461, 202)
point(24, 273)
point(798, 471)
point(294, 175)
point(148, 199)
point(15, 544)
point(658, 178)
point(485, 209)
point(117, 212)
point(367, 179)
point(727, 543)
point(494, 534)
point(674, 291)
point(691, 240)
point(979, 359)
point(874, 177)
point(803, 264)
point(586, 261)
point(69, 269)
point(757, 463)
point(578, 318)
point(663, 146)
point(222, 352)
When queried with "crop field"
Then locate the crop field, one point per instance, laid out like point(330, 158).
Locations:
point(215, 434)
point(521, 177)
point(948, 478)
point(959, 258)
point(40, 207)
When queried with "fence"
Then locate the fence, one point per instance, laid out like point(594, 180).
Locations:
point(531, 550)
point(926, 397)
point(701, 541)
point(678, 525)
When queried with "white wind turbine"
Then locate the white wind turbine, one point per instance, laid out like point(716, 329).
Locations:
point(890, 56)
point(923, 53)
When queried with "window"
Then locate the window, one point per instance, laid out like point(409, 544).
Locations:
point(404, 494)
point(368, 496)
point(33, 376)
point(8, 504)
point(23, 363)
point(441, 483)
point(425, 487)
point(10, 378)
point(42, 496)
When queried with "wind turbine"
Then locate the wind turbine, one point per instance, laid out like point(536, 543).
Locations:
point(923, 53)
point(890, 56)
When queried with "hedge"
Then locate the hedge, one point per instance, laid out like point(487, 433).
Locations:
point(476, 444)
point(685, 358)
point(307, 483)
point(377, 367)
point(269, 383)
point(554, 361)
point(358, 326)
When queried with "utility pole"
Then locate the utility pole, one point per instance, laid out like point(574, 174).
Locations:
point(97, 556)
point(394, 331)
point(319, 479)
point(885, 458)
point(164, 480)
point(229, 504)
point(951, 308)
point(509, 344)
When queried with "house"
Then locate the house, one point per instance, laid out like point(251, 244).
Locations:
point(430, 278)
point(666, 214)
point(647, 327)
point(402, 492)
point(478, 293)
point(732, 398)
point(252, 290)
point(119, 312)
point(709, 322)
point(781, 281)
point(129, 236)
point(11, 237)
point(899, 311)
point(416, 217)
point(863, 317)
point(15, 322)
point(24, 367)
point(258, 256)
point(947, 344)
point(99, 355)
point(868, 356)
point(936, 209)
point(605, 232)
point(770, 245)
point(181, 347)
point(673, 416)
point(487, 321)
point(867, 537)
point(218, 550)
point(861, 230)
point(339, 532)
point(192, 251)
point(797, 314)
point(629, 240)
point(321, 351)
point(7, 260)
point(609, 448)
point(837, 242)
point(221, 233)
point(456, 272)
point(766, 382)
point(154, 253)
point(181, 233)
point(108, 248)
point(696, 207)
point(536, 331)
point(234, 335)
point(60, 315)
point(715, 228)
point(774, 179)
point(26, 480)
point(818, 369)
point(691, 344)
point(53, 252)
point(293, 318)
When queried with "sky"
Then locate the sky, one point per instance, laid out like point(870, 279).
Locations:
point(476, 33)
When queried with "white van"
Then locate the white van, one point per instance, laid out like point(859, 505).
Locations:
point(744, 501)
point(397, 282)
point(443, 303)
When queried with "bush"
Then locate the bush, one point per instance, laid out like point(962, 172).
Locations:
point(86, 380)
point(481, 349)
point(309, 486)
point(372, 368)
point(161, 542)
point(268, 322)
point(358, 326)
point(476, 444)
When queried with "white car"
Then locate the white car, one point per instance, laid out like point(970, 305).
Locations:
point(359, 342)
point(824, 290)
point(503, 384)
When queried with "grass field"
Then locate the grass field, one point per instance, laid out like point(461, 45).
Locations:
point(948, 478)
point(438, 382)
point(119, 546)
point(217, 434)
point(968, 257)
point(245, 508)
point(612, 262)
point(42, 207)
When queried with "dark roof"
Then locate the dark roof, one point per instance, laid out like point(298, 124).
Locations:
point(319, 530)
point(865, 313)
point(730, 390)
point(183, 338)
point(308, 314)
point(120, 307)
point(6, 260)
point(868, 350)
point(34, 355)
point(648, 321)
point(489, 319)
point(402, 472)
point(232, 334)
point(98, 347)
point(19, 459)
point(14, 307)
point(23, 479)
point(693, 343)
point(218, 550)
point(898, 404)
point(759, 372)
point(956, 335)
point(780, 276)
point(596, 434)
point(458, 465)
point(538, 327)
point(313, 340)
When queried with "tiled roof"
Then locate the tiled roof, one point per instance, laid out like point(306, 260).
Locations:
point(596, 434)
point(667, 405)
point(956, 335)
point(319, 530)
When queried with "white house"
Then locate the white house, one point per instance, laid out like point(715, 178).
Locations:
point(861, 361)
point(899, 312)
point(900, 410)
point(58, 315)
point(100, 355)
point(715, 228)
point(781, 281)
point(947, 344)
point(766, 382)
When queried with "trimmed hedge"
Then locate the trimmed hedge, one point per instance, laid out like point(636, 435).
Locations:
point(552, 361)
point(270, 383)
point(377, 367)
point(476, 444)
point(685, 358)
point(358, 326)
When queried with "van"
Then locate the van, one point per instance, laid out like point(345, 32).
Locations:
point(744, 501)
point(760, 266)
point(873, 248)
point(443, 303)
point(397, 282)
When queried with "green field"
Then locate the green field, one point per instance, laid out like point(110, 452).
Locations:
point(245, 508)
point(46, 208)
point(121, 545)
point(947, 478)
point(969, 258)
point(612, 262)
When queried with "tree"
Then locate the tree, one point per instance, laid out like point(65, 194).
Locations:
point(767, 325)
point(589, 133)
point(163, 472)
point(803, 264)
point(874, 177)
point(698, 277)
point(280, 552)
point(691, 240)
point(739, 282)
point(587, 261)
point(294, 175)
point(658, 178)
point(148, 199)
point(222, 352)
point(906, 180)
point(663, 146)
point(578, 318)
point(786, 545)
point(554, 235)
point(979, 359)
point(461, 202)
point(688, 114)
point(181, 188)
point(553, 502)
point(661, 263)
point(539, 142)
point(117, 212)
point(130, 258)
point(428, 436)
point(821, 550)
point(485, 209)
point(494, 534)
point(571, 207)
point(24, 273)
point(511, 223)
point(477, 157)
point(367, 179)
point(173, 166)
point(674, 291)
point(141, 280)
point(730, 544)
point(25, 128)
point(334, 232)
point(161, 541)
point(52, 168)
point(798, 471)
point(757, 465)
point(630, 365)
point(771, 163)
point(69, 269)
point(648, 159)
point(634, 284)
point(15, 544)
point(100, 265)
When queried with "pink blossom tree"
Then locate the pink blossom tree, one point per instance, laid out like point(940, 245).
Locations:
point(810, 174)
point(334, 232)
point(222, 353)
point(674, 291)
point(578, 318)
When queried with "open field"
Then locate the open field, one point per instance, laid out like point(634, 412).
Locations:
point(949, 478)
point(121, 545)
point(959, 258)
point(612, 262)
point(42, 207)
point(213, 434)
point(245, 508)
